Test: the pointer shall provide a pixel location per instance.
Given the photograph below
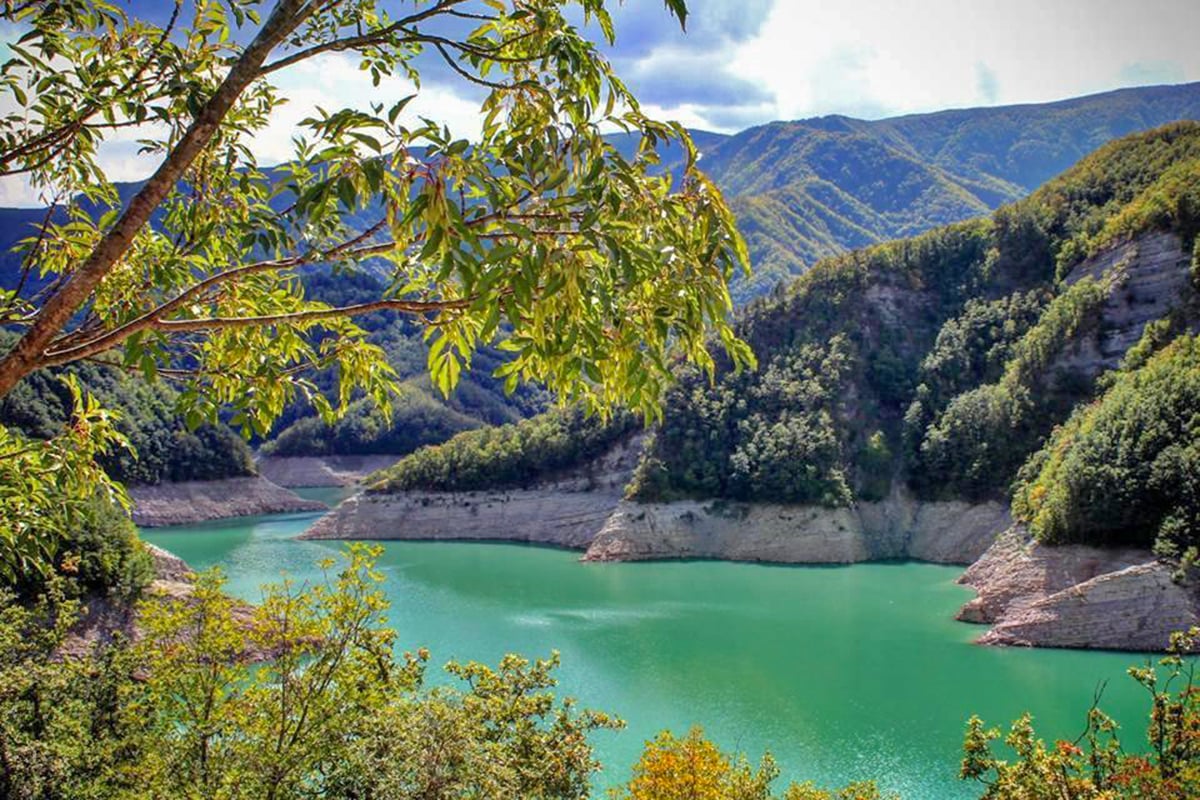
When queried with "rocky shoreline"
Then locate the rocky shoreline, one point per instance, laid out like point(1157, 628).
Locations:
point(1028, 594)
point(1076, 596)
point(899, 527)
point(297, 472)
point(191, 502)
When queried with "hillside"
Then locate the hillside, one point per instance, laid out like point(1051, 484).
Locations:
point(940, 364)
point(813, 188)
point(802, 191)
point(948, 358)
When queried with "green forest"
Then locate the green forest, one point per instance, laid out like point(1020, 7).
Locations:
point(828, 312)
point(942, 363)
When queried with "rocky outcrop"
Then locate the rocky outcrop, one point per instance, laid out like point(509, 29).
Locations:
point(106, 619)
point(109, 619)
point(1076, 596)
point(296, 472)
point(899, 527)
point(542, 516)
point(1153, 276)
point(190, 502)
point(565, 512)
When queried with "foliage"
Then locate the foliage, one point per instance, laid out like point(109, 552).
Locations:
point(508, 456)
point(1094, 766)
point(977, 445)
point(62, 733)
point(328, 711)
point(48, 488)
point(693, 768)
point(162, 448)
point(419, 414)
point(592, 269)
point(101, 556)
point(1123, 470)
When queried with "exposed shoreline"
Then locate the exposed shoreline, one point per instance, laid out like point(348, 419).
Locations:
point(191, 502)
point(1028, 594)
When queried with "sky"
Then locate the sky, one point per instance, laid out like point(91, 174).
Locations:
point(746, 62)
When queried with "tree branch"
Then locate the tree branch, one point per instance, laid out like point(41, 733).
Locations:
point(29, 352)
point(363, 40)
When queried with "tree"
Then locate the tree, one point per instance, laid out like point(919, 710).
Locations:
point(595, 271)
point(300, 697)
point(693, 768)
point(1094, 766)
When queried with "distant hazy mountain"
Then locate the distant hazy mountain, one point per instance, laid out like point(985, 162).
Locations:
point(812, 188)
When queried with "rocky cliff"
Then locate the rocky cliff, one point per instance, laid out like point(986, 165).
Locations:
point(1076, 596)
point(296, 472)
point(1153, 278)
point(611, 529)
point(200, 501)
point(899, 527)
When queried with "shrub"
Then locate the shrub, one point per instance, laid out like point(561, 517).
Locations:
point(1125, 469)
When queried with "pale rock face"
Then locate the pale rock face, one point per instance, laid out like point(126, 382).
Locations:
point(899, 527)
point(540, 516)
point(189, 502)
point(295, 472)
point(1154, 277)
point(1076, 596)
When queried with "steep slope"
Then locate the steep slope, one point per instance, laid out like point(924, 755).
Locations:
point(813, 188)
point(946, 358)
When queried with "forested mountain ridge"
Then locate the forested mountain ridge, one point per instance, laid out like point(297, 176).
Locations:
point(943, 362)
point(813, 188)
point(802, 191)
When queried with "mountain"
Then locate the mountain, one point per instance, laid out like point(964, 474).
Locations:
point(943, 364)
point(802, 191)
point(813, 188)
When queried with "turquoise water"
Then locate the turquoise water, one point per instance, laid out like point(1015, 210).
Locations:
point(843, 672)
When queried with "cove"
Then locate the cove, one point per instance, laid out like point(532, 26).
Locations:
point(842, 672)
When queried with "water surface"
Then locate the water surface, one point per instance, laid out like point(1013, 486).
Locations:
point(843, 672)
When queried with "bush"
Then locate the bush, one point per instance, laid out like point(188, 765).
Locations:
point(693, 768)
point(328, 711)
point(1094, 766)
point(508, 456)
point(100, 556)
point(1126, 469)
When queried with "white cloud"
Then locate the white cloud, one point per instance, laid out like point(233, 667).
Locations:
point(331, 82)
point(881, 57)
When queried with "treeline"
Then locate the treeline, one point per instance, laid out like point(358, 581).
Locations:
point(939, 360)
point(509, 456)
point(163, 447)
point(416, 420)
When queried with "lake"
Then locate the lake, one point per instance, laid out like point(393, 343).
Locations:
point(842, 672)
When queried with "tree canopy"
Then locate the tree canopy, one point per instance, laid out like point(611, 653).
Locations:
point(594, 271)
